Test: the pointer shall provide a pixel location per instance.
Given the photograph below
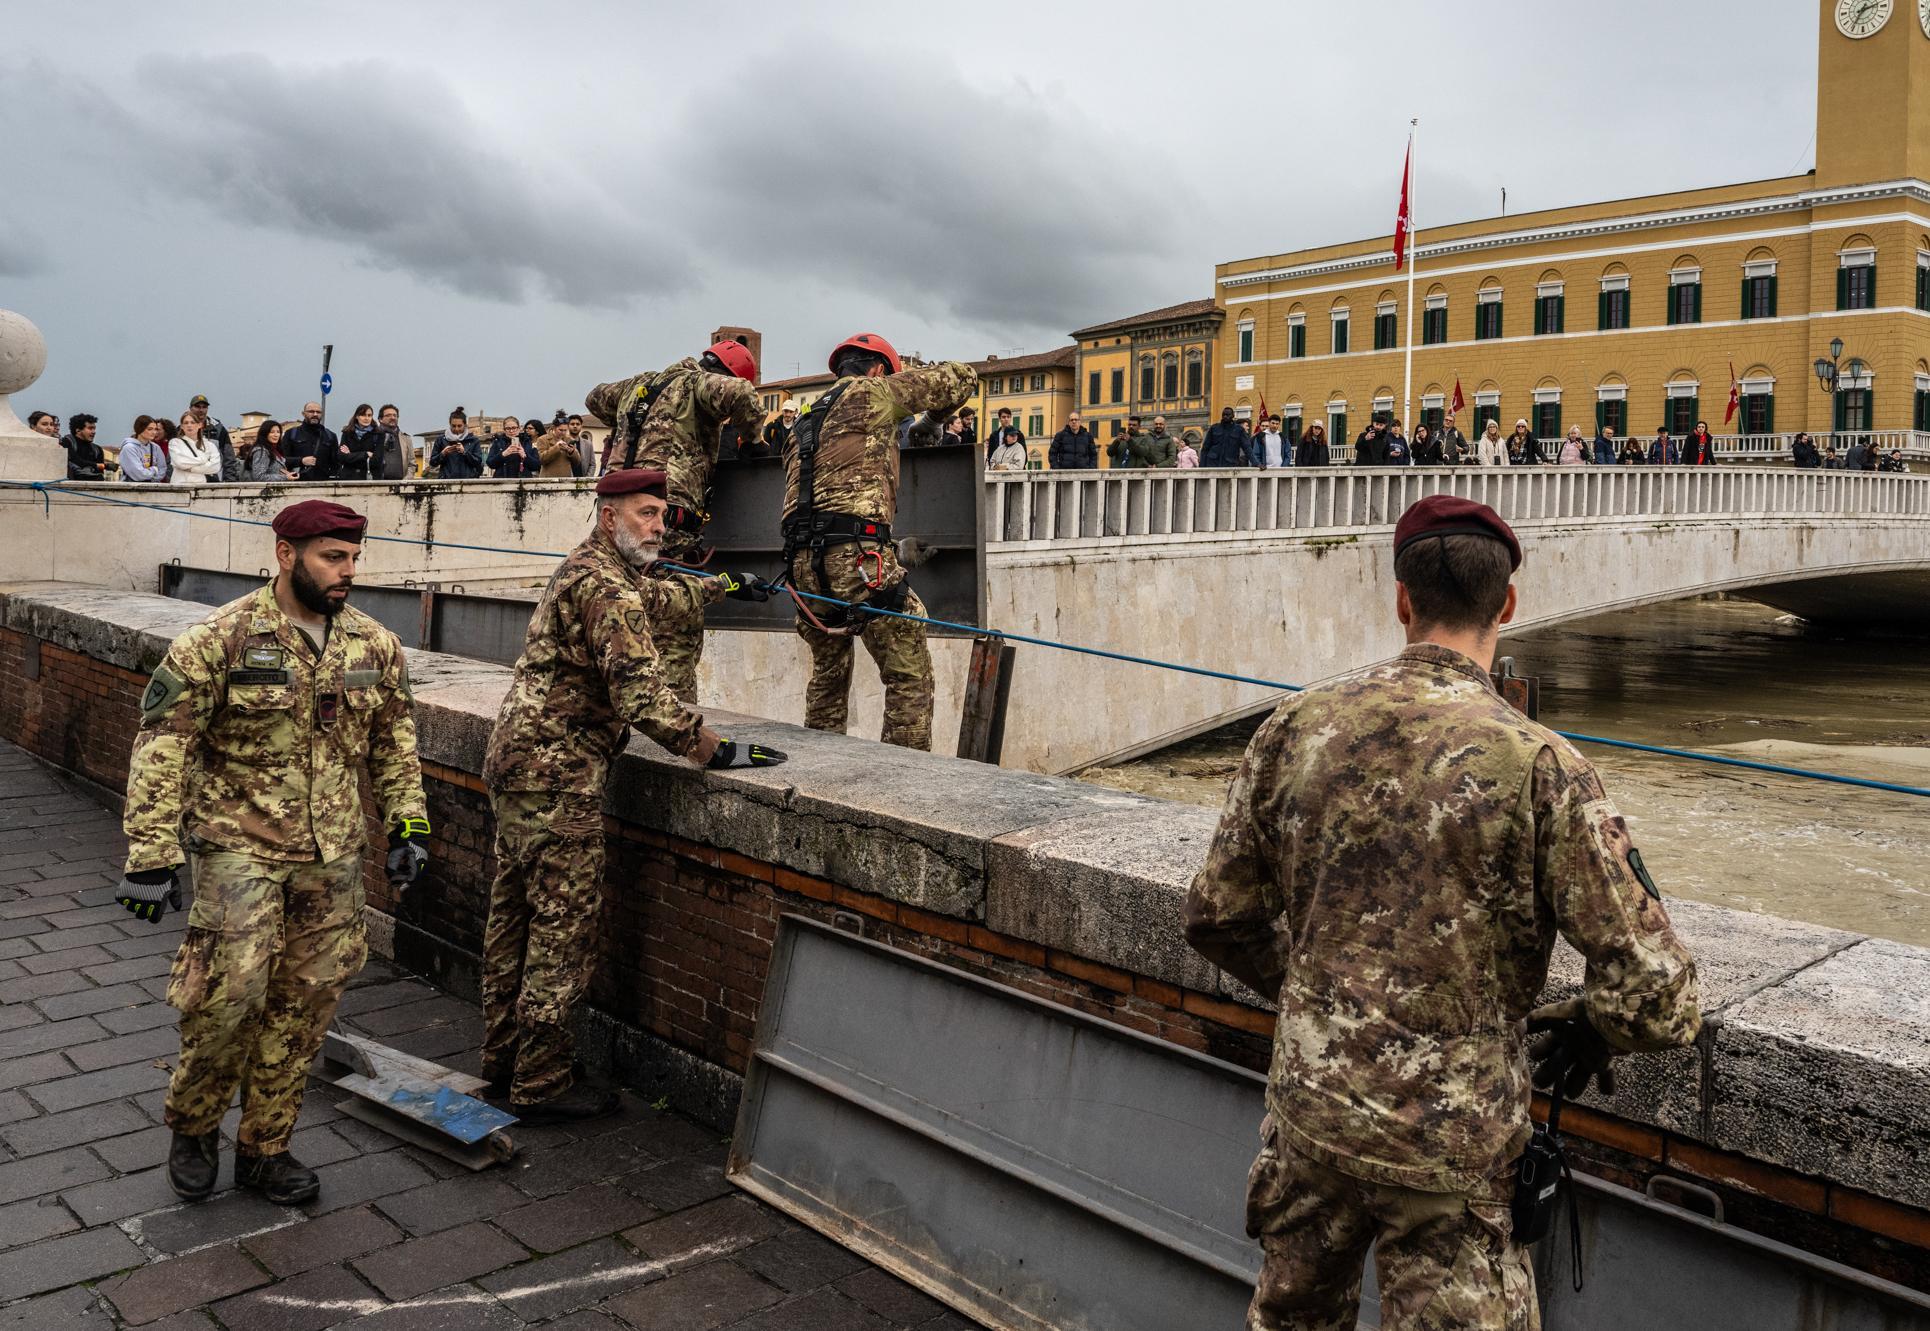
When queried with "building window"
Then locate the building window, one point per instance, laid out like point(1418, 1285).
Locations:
point(1685, 296)
point(1118, 385)
point(1853, 410)
point(1758, 414)
point(1092, 389)
point(1683, 413)
point(1246, 343)
point(1290, 425)
point(1147, 388)
point(1336, 426)
point(1034, 425)
point(1038, 383)
point(1611, 307)
point(1340, 334)
point(1611, 413)
point(1547, 423)
point(1386, 335)
point(1434, 321)
point(1169, 378)
point(1920, 417)
point(1487, 407)
point(1856, 281)
point(1297, 340)
point(1487, 315)
point(1550, 313)
point(1195, 376)
point(1433, 418)
point(1759, 296)
point(1923, 280)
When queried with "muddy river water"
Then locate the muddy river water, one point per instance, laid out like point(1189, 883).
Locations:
point(1734, 678)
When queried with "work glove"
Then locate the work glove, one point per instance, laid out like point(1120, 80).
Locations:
point(147, 893)
point(733, 753)
point(1567, 1048)
point(745, 586)
point(926, 431)
point(407, 855)
point(912, 552)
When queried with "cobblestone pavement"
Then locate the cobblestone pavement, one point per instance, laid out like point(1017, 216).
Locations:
point(626, 1222)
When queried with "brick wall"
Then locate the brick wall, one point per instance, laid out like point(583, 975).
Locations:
point(688, 930)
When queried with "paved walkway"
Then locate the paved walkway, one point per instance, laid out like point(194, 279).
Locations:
point(627, 1222)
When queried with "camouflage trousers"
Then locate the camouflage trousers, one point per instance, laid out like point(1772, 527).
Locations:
point(1445, 1261)
point(540, 945)
point(269, 949)
point(898, 646)
point(679, 642)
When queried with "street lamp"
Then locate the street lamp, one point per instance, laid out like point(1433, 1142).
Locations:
point(1829, 378)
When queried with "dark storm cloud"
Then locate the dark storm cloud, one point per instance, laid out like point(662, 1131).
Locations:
point(994, 206)
point(386, 162)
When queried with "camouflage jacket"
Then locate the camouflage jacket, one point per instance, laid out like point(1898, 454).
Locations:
point(1395, 859)
point(857, 459)
point(255, 746)
point(588, 672)
point(680, 432)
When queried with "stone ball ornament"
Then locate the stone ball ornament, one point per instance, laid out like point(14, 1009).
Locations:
point(23, 353)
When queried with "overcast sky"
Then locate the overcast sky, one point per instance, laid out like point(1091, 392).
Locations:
point(501, 205)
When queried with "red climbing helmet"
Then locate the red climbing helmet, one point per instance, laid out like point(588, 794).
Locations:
point(737, 359)
point(868, 342)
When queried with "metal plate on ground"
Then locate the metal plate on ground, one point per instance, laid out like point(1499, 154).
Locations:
point(1030, 1166)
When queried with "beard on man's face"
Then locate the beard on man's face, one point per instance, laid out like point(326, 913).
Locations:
point(314, 595)
point(636, 552)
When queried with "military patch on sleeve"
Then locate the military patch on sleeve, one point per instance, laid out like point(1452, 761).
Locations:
point(163, 691)
point(1641, 872)
point(637, 620)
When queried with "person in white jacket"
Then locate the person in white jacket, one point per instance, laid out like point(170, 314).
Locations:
point(196, 460)
point(1490, 450)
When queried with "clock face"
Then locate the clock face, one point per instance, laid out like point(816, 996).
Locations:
point(1862, 18)
point(1923, 15)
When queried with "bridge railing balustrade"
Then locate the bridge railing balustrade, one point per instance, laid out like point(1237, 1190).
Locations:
point(1044, 507)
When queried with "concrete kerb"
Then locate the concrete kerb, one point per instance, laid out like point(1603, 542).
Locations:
point(1818, 1057)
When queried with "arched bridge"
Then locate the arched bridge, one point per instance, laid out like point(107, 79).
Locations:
point(1288, 575)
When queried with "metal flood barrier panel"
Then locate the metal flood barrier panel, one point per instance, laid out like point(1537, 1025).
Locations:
point(940, 501)
point(1039, 1169)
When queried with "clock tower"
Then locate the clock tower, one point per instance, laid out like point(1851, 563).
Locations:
point(1873, 92)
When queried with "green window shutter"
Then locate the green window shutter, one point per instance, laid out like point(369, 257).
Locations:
point(1673, 307)
point(1836, 413)
point(1561, 313)
point(1601, 310)
point(1599, 404)
point(1842, 299)
point(1747, 282)
point(1772, 295)
point(1698, 304)
point(1769, 399)
point(1869, 303)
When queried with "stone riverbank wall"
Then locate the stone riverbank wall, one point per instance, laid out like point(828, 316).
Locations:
point(1806, 1104)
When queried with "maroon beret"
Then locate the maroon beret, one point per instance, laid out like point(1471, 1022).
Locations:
point(1450, 515)
point(635, 480)
point(319, 517)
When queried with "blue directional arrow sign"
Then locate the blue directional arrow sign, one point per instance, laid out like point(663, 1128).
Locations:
point(328, 382)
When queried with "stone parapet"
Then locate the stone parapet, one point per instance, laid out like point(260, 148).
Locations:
point(1806, 1098)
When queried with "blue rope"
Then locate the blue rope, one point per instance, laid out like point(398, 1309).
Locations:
point(45, 489)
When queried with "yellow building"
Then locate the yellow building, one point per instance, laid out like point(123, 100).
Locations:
point(1631, 313)
point(1159, 363)
point(1037, 390)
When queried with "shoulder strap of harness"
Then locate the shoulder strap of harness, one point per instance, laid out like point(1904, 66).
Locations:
point(642, 399)
point(810, 424)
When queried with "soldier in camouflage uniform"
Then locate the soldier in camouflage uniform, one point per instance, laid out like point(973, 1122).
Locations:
point(837, 532)
point(254, 732)
point(671, 422)
point(1396, 856)
point(588, 673)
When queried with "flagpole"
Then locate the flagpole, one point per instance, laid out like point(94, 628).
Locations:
point(1413, 257)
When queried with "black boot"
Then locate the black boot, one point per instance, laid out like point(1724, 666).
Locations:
point(282, 1179)
point(193, 1163)
point(581, 1101)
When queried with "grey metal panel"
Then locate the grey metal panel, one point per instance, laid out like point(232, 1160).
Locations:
point(938, 502)
point(1037, 1168)
point(1031, 1166)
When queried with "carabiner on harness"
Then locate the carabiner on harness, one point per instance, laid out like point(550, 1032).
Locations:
point(874, 580)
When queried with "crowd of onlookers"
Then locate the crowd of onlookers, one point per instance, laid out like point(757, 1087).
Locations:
point(196, 447)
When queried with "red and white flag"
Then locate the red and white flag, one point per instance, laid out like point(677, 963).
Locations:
point(1735, 396)
point(1454, 408)
point(1401, 219)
